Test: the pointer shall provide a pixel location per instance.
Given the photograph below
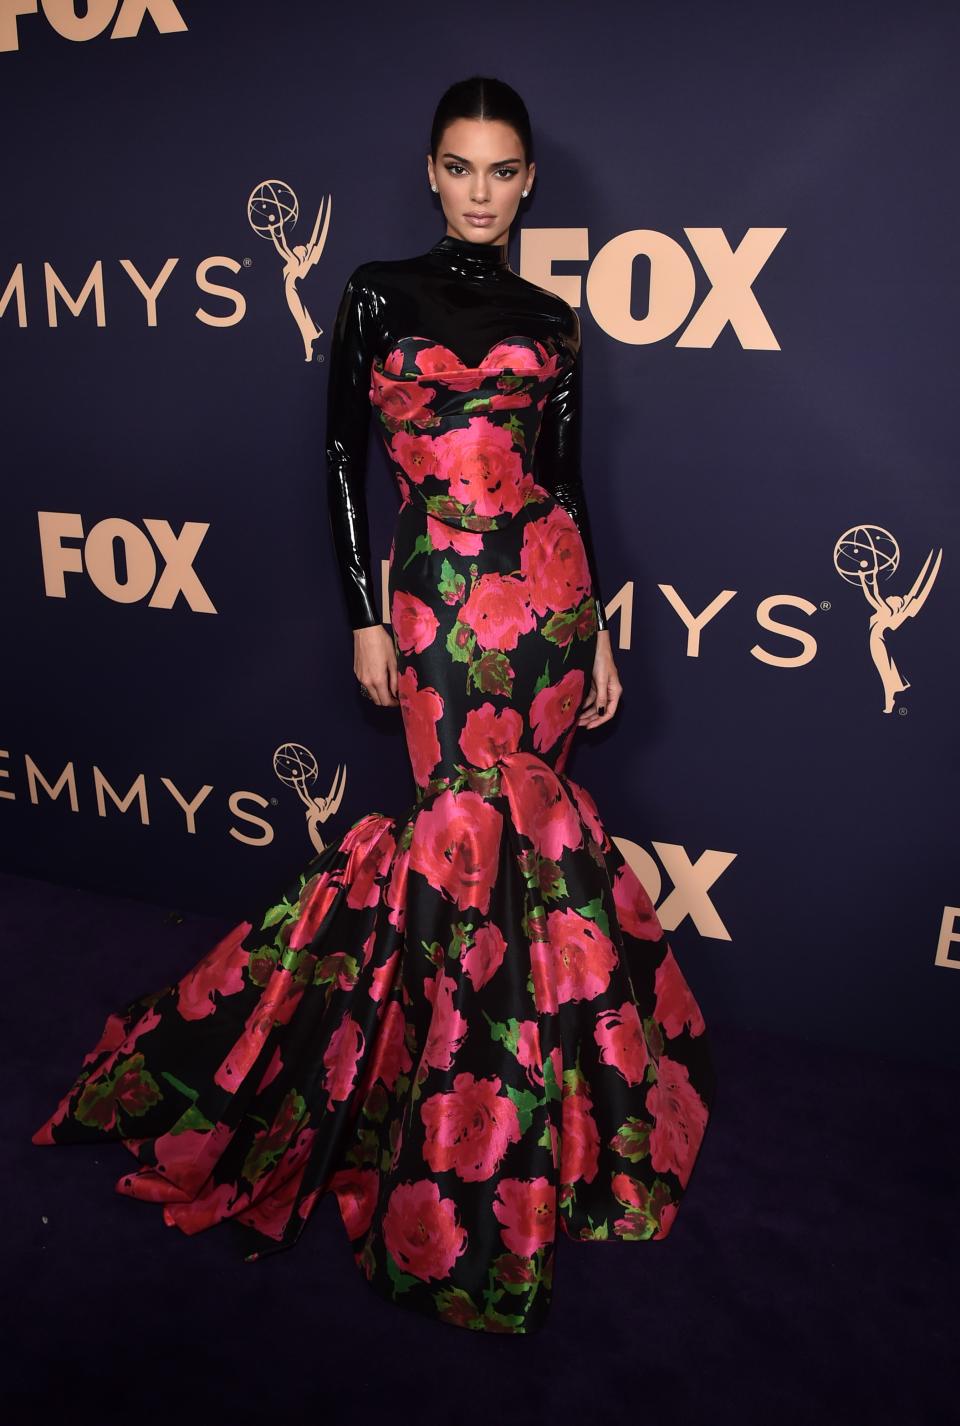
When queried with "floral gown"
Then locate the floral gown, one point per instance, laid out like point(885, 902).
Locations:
point(465, 1022)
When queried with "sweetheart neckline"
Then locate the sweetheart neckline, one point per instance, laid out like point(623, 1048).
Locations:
point(463, 368)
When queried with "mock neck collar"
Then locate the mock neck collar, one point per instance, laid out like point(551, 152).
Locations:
point(471, 259)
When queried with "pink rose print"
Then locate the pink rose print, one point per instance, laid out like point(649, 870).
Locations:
point(448, 1028)
point(519, 358)
point(382, 977)
point(316, 898)
point(554, 709)
point(553, 562)
point(528, 1051)
point(527, 1210)
point(456, 846)
point(371, 845)
point(356, 1190)
point(438, 359)
point(414, 455)
point(579, 1140)
point(390, 1056)
point(581, 958)
point(619, 1034)
point(489, 733)
point(340, 1059)
point(397, 890)
point(667, 1214)
point(401, 400)
point(634, 908)
point(414, 622)
point(470, 1130)
point(539, 805)
point(422, 709)
point(588, 812)
point(675, 1005)
point(186, 1159)
point(221, 970)
point(484, 957)
point(482, 466)
point(530, 1055)
point(498, 611)
point(509, 400)
point(452, 537)
point(421, 1230)
point(680, 1120)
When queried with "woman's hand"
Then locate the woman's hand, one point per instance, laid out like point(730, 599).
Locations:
point(375, 663)
point(606, 687)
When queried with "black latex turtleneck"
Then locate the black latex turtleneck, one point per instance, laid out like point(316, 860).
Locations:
point(476, 260)
point(467, 297)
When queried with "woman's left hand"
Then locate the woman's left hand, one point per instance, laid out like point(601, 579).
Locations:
point(606, 688)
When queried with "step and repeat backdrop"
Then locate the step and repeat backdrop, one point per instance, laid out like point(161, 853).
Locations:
point(751, 208)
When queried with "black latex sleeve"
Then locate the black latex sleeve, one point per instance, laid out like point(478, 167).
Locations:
point(348, 431)
point(559, 466)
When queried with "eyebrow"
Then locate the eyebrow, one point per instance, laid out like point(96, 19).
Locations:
point(460, 159)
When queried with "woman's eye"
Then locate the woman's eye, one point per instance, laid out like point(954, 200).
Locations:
point(457, 168)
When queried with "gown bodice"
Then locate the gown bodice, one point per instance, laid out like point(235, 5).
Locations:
point(474, 374)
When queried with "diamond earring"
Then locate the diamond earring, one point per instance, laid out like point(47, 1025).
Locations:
point(435, 188)
point(523, 194)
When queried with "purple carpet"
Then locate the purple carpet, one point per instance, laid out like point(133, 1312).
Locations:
point(812, 1275)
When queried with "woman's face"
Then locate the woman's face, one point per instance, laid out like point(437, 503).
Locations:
point(480, 173)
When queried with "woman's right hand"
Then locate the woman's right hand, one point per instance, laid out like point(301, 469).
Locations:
point(375, 663)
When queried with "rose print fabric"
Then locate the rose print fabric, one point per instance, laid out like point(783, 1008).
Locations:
point(465, 1022)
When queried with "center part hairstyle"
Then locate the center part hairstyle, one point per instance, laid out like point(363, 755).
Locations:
point(482, 97)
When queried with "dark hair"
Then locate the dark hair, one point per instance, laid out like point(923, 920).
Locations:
point(481, 97)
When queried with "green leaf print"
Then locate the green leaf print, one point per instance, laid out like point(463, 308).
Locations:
point(526, 1103)
point(632, 1139)
point(508, 1033)
point(595, 1233)
point(492, 673)
point(552, 882)
point(402, 1282)
point(457, 1305)
point(423, 545)
point(186, 1090)
point(594, 912)
point(461, 937)
point(550, 1086)
point(653, 1031)
point(131, 1090)
point(461, 641)
point(452, 584)
point(517, 434)
point(193, 1119)
point(278, 913)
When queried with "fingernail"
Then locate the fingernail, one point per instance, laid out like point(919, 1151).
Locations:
point(600, 709)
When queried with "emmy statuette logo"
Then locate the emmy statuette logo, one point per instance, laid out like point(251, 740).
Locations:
point(863, 555)
point(273, 210)
point(296, 767)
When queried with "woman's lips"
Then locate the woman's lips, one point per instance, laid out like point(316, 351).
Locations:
point(480, 220)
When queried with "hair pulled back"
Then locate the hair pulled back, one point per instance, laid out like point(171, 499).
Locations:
point(482, 97)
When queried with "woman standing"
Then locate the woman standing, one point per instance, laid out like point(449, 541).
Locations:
point(466, 1022)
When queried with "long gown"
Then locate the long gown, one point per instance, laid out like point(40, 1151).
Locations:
point(465, 1021)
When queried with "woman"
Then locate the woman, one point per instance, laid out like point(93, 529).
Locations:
point(467, 1022)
